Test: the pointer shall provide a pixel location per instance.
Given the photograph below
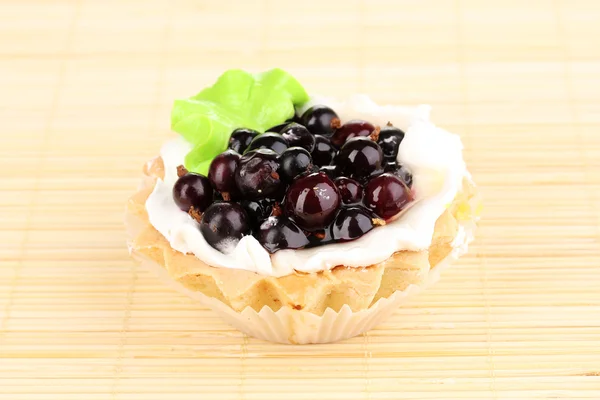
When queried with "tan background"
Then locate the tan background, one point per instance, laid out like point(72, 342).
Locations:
point(85, 92)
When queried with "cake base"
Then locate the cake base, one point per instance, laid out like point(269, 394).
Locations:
point(291, 326)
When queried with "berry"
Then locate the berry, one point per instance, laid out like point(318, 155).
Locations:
point(222, 172)
point(257, 176)
point(320, 120)
point(400, 172)
point(403, 174)
point(350, 129)
point(240, 139)
point(312, 201)
point(359, 158)
point(277, 233)
point(271, 141)
point(329, 170)
point(389, 141)
point(296, 118)
point(257, 210)
point(277, 128)
point(324, 152)
point(193, 190)
point(293, 162)
point(320, 237)
point(223, 224)
point(350, 190)
point(351, 223)
point(297, 135)
point(390, 166)
point(386, 195)
point(375, 173)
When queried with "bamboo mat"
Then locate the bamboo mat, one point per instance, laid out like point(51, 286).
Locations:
point(85, 92)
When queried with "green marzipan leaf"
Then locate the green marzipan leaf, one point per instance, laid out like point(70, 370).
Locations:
point(237, 100)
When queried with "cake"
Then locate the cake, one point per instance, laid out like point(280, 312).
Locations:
point(301, 219)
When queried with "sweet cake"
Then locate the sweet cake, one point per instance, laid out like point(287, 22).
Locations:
point(301, 219)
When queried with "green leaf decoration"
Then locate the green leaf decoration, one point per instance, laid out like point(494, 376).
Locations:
point(237, 100)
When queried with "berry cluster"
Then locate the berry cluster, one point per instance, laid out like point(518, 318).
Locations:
point(307, 182)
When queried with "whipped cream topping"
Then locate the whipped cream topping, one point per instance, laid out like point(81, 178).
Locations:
point(431, 154)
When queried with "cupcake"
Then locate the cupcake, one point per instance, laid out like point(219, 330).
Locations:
point(297, 218)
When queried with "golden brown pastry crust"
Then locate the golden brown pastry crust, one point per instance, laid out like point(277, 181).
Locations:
point(313, 292)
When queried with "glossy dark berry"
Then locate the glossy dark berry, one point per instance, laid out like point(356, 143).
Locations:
point(350, 129)
point(298, 135)
point(388, 160)
point(240, 139)
point(320, 120)
point(296, 118)
point(390, 166)
point(271, 141)
point(403, 174)
point(324, 152)
point(277, 128)
point(320, 237)
point(351, 223)
point(257, 210)
point(329, 170)
point(193, 190)
point(358, 158)
point(400, 172)
point(350, 190)
point(223, 224)
point(222, 172)
point(293, 162)
point(312, 201)
point(278, 233)
point(386, 195)
point(257, 175)
point(389, 141)
point(375, 173)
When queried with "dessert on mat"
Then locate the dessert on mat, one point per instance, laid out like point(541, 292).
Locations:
point(301, 219)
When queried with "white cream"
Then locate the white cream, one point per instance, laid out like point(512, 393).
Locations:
point(431, 154)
